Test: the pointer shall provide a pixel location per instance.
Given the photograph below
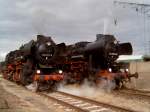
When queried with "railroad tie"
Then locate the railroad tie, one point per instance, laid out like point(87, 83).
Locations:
point(100, 110)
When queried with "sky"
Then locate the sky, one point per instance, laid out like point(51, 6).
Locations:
point(72, 21)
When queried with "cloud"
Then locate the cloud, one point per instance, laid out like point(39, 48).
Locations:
point(69, 21)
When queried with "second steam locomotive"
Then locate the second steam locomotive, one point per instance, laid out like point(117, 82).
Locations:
point(46, 63)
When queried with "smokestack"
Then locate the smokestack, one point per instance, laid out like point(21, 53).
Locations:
point(45, 38)
point(40, 36)
point(98, 36)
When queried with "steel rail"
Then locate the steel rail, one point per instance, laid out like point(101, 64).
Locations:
point(117, 108)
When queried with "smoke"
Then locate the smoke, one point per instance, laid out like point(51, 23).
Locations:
point(88, 88)
point(106, 24)
point(108, 18)
point(41, 20)
point(107, 85)
point(31, 87)
point(54, 18)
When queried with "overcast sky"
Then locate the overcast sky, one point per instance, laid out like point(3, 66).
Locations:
point(71, 21)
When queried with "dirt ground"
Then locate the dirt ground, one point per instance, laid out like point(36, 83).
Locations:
point(12, 103)
point(15, 98)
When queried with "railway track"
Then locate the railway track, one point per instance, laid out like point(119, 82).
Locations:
point(138, 91)
point(139, 94)
point(81, 104)
point(73, 103)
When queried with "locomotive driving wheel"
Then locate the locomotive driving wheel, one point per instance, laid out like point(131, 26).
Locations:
point(25, 75)
point(18, 76)
point(23, 78)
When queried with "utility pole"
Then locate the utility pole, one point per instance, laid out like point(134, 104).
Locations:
point(145, 10)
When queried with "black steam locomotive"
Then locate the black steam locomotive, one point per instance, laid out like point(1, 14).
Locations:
point(87, 59)
point(34, 62)
point(45, 63)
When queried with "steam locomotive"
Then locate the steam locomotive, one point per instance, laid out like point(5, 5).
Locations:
point(33, 62)
point(45, 63)
point(97, 60)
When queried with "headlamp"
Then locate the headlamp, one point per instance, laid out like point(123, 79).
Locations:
point(110, 70)
point(127, 70)
point(60, 71)
point(38, 71)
